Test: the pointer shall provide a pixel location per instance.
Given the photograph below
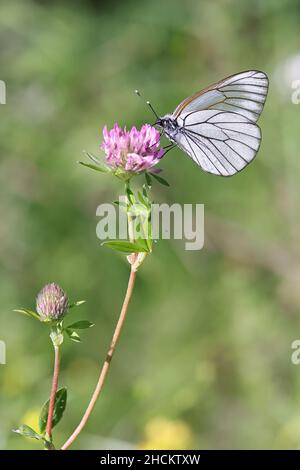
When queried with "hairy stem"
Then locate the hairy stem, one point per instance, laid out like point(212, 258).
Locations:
point(53, 391)
point(107, 362)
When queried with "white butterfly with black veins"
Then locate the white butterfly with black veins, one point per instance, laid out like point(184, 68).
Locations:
point(217, 127)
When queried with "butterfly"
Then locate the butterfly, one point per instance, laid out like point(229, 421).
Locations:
point(217, 127)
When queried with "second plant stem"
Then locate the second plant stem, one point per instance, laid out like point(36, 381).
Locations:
point(105, 367)
point(112, 347)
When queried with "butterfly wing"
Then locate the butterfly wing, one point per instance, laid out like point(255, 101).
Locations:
point(217, 125)
point(244, 93)
point(220, 142)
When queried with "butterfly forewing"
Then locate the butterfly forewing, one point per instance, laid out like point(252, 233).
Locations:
point(217, 125)
point(242, 93)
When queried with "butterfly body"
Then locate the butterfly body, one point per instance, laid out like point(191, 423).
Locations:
point(169, 125)
point(217, 127)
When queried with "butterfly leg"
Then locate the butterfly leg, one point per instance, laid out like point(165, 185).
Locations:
point(168, 148)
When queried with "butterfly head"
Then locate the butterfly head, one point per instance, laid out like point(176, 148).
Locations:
point(168, 124)
point(159, 123)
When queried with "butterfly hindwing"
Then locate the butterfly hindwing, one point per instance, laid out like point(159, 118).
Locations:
point(222, 143)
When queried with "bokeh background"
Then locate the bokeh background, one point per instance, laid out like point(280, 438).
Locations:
point(205, 357)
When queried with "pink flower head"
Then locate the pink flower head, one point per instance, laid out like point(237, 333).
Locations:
point(132, 151)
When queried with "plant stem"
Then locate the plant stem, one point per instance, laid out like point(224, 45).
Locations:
point(129, 215)
point(130, 228)
point(105, 367)
point(53, 391)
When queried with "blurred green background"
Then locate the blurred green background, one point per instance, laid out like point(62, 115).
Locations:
point(204, 359)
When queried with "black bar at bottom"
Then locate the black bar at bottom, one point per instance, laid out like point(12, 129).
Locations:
point(132, 459)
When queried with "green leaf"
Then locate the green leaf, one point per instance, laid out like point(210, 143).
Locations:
point(130, 194)
point(76, 304)
point(27, 431)
point(73, 335)
point(143, 200)
point(123, 246)
point(59, 325)
point(81, 325)
point(59, 408)
point(145, 190)
point(144, 244)
point(28, 313)
point(102, 169)
point(148, 179)
point(121, 203)
point(160, 179)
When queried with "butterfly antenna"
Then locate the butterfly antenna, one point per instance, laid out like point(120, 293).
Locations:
point(153, 110)
point(149, 104)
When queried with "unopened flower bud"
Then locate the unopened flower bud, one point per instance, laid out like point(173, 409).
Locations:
point(52, 302)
